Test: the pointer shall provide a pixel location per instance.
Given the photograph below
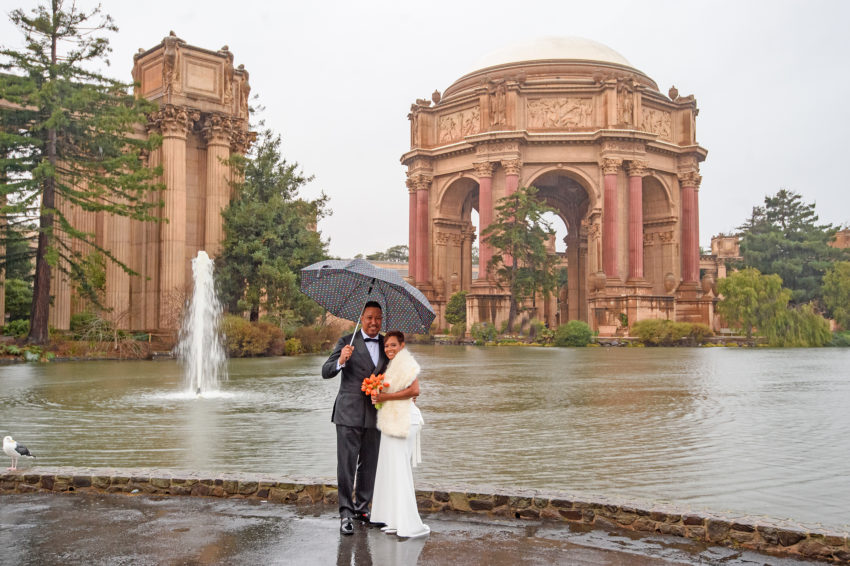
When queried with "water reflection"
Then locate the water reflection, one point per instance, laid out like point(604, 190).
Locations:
point(749, 431)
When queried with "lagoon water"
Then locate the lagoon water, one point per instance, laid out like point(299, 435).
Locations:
point(746, 431)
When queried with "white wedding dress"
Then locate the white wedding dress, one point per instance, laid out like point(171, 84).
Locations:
point(394, 499)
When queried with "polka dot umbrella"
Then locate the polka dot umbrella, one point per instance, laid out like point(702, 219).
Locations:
point(344, 286)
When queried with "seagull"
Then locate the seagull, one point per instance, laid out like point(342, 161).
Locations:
point(15, 451)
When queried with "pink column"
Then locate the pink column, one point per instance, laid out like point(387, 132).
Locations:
point(411, 230)
point(512, 167)
point(610, 249)
point(636, 170)
point(422, 244)
point(484, 171)
point(690, 226)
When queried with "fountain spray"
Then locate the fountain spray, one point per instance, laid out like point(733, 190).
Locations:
point(200, 347)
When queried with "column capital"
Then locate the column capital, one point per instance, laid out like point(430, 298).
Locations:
point(690, 179)
point(218, 129)
point(410, 184)
point(611, 165)
point(241, 140)
point(512, 166)
point(420, 182)
point(636, 168)
point(484, 169)
point(174, 121)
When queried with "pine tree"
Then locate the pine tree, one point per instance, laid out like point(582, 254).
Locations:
point(71, 136)
point(520, 259)
point(784, 237)
point(269, 236)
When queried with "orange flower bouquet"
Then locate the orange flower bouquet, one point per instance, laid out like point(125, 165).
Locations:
point(374, 383)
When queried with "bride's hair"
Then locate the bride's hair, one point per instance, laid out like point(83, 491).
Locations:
point(399, 335)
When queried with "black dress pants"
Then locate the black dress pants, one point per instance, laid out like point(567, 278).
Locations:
point(356, 462)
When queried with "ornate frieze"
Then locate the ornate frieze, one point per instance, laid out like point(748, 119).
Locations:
point(621, 146)
point(657, 122)
point(559, 112)
point(497, 148)
point(667, 237)
point(611, 165)
point(512, 166)
point(457, 125)
point(484, 169)
point(445, 238)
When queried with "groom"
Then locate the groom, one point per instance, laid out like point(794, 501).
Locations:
point(357, 437)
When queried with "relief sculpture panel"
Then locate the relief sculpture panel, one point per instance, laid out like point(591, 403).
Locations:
point(657, 122)
point(460, 124)
point(559, 113)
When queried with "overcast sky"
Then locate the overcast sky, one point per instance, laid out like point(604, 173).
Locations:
point(337, 79)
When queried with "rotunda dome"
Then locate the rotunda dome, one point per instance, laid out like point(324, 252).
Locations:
point(552, 48)
point(558, 59)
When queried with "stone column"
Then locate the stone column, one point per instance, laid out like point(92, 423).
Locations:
point(610, 248)
point(512, 167)
point(484, 172)
point(423, 247)
point(217, 135)
point(466, 256)
point(117, 231)
point(637, 170)
point(412, 245)
point(689, 182)
point(174, 125)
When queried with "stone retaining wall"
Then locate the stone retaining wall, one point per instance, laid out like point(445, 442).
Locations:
point(755, 533)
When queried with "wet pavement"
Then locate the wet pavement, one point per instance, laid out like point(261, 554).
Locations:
point(116, 530)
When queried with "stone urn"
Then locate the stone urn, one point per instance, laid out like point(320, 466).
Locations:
point(669, 282)
point(708, 284)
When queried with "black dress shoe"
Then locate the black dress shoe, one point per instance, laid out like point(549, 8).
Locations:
point(346, 527)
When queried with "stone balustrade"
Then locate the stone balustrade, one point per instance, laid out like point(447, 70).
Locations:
point(756, 533)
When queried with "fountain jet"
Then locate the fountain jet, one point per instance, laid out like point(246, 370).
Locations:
point(200, 347)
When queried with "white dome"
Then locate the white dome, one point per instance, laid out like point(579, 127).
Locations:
point(553, 48)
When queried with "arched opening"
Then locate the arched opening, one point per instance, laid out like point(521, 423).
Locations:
point(455, 233)
point(660, 247)
point(571, 201)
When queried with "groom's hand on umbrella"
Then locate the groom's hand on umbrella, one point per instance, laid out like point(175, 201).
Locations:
point(345, 354)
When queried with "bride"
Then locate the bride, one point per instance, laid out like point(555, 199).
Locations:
point(399, 420)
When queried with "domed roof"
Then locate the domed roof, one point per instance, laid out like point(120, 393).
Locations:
point(552, 48)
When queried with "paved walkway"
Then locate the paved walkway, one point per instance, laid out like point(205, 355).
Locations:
point(111, 530)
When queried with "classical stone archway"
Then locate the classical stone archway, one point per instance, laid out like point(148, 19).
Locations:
point(614, 156)
point(572, 203)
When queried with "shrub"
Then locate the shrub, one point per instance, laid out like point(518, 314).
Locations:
point(293, 347)
point(575, 333)
point(456, 308)
point(18, 328)
point(483, 332)
point(841, 339)
point(659, 332)
point(251, 339)
point(458, 329)
point(318, 338)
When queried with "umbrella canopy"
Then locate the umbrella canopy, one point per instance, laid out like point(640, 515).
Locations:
point(344, 286)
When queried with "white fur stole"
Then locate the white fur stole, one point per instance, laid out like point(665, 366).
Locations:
point(394, 416)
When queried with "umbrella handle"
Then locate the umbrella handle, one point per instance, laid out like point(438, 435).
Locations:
point(361, 314)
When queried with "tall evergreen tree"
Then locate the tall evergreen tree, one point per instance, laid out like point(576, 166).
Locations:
point(520, 259)
point(784, 237)
point(71, 136)
point(269, 236)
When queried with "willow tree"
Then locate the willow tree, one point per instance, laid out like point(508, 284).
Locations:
point(519, 236)
point(72, 137)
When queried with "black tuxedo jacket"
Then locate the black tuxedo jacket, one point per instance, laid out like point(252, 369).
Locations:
point(353, 407)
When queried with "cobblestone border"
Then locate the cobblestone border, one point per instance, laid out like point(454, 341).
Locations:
point(755, 533)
